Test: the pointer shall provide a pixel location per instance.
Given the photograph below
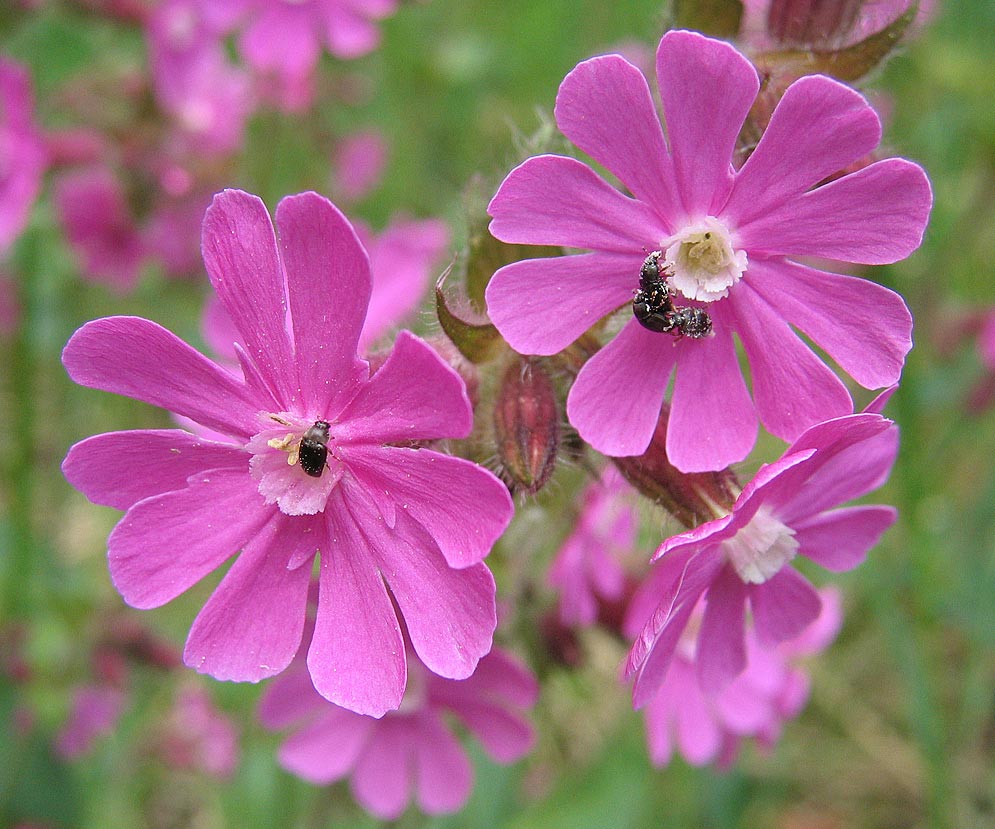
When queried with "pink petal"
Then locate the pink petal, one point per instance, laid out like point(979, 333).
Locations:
point(540, 306)
point(462, 506)
point(712, 420)
point(218, 330)
point(792, 387)
point(350, 35)
point(382, 781)
point(505, 736)
point(839, 540)
point(698, 734)
point(652, 672)
point(652, 651)
point(167, 543)
point(251, 626)
point(605, 107)
point(118, 469)
point(864, 327)
point(329, 284)
point(820, 634)
point(634, 368)
point(137, 358)
point(356, 658)
point(443, 774)
point(659, 715)
point(855, 456)
point(499, 678)
point(783, 607)
point(290, 700)
point(707, 88)
point(873, 217)
point(281, 39)
point(401, 259)
point(818, 128)
point(553, 200)
point(241, 257)
point(450, 614)
point(414, 395)
point(721, 649)
point(328, 749)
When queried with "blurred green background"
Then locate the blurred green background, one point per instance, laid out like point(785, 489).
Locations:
point(900, 728)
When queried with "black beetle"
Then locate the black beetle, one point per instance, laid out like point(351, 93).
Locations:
point(313, 450)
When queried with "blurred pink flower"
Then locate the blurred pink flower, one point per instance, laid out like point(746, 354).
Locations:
point(194, 82)
point(381, 514)
point(198, 737)
point(95, 712)
point(172, 232)
point(402, 257)
point(730, 239)
point(744, 556)
point(23, 156)
point(358, 165)
point(587, 567)
point(772, 689)
point(284, 40)
point(411, 751)
point(986, 340)
point(100, 228)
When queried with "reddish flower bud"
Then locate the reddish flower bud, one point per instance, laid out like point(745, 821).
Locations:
point(692, 498)
point(811, 22)
point(527, 425)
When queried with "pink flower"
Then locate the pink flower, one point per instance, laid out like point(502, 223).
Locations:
point(321, 458)
point(197, 736)
point(587, 567)
point(285, 39)
point(743, 556)
point(411, 750)
point(98, 224)
point(23, 156)
point(193, 80)
point(772, 689)
point(402, 257)
point(94, 714)
point(729, 240)
point(358, 164)
point(986, 340)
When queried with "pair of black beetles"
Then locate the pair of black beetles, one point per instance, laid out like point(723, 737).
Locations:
point(653, 305)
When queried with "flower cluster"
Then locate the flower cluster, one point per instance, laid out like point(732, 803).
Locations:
point(729, 240)
point(337, 466)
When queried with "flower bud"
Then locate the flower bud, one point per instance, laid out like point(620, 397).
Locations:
point(692, 498)
point(527, 425)
point(811, 22)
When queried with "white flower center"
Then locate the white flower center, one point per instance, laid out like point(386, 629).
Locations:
point(761, 548)
point(277, 465)
point(703, 260)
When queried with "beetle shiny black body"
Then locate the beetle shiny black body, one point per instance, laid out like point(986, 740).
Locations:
point(313, 449)
point(653, 307)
